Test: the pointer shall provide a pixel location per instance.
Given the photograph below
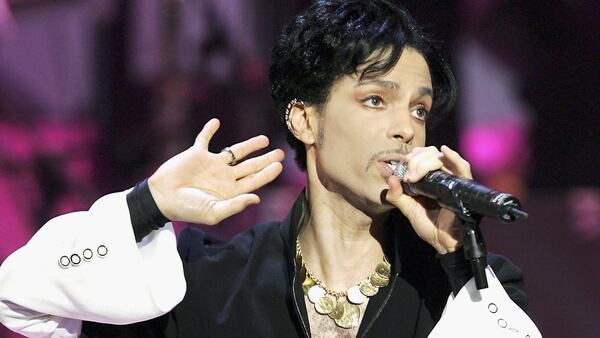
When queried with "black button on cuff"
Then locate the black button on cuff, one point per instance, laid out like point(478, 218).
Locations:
point(102, 250)
point(75, 259)
point(88, 254)
point(64, 262)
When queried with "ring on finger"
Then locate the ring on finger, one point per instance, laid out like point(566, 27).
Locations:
point(233, 158)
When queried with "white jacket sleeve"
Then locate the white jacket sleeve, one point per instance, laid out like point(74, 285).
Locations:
point(486, 313)
point(87, 266)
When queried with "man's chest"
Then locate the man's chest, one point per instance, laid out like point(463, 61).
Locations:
point(323, 326)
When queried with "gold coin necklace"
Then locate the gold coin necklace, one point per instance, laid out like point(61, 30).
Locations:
point(342, 306)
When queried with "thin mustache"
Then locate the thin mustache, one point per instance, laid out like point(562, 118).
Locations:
point(404, 149)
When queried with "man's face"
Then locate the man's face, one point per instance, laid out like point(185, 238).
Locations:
point(365, 124)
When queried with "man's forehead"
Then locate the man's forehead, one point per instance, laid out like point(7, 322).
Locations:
point(411, 62)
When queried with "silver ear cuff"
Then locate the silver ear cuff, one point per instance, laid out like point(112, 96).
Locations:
point(289, 109)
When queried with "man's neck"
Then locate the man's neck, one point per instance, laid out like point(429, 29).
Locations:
point(341, 245)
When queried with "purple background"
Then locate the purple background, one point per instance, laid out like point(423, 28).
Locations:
point(95, 94)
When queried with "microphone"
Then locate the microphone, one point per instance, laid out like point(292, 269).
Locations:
point(479, 199)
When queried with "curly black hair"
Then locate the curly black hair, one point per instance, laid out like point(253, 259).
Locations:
point(333, 38)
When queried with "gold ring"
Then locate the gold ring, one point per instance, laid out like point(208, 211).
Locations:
point(233, 158)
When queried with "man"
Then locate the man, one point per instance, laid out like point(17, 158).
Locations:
point(355, 83)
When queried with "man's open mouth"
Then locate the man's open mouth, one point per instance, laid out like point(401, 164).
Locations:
point(392, 164)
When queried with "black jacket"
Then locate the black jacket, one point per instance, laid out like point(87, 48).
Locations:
point(250, 286)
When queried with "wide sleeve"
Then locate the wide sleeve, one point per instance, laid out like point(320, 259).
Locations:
point(488, 312)
point(87, 266)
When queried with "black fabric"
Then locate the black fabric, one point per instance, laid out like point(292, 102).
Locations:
point(144, 213)
point(457, 268)
point(154, 328)
point(250, 287)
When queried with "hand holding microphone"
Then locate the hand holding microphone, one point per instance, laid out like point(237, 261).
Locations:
point(445, 188)
point(437, 223)
point(459, 198)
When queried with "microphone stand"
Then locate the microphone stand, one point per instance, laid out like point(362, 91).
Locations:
point(473, 246)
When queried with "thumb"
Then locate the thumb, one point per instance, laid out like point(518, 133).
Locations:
point(232, 206)
point(396, 196)
point(395, 192)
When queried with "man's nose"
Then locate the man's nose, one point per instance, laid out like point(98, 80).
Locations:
point(401, 126)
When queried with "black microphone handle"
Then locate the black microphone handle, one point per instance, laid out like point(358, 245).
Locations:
point(479, 199)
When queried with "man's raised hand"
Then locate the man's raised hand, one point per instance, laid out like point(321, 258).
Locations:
point(201, 187)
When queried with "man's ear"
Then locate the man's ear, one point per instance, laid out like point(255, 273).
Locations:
point(304, 123)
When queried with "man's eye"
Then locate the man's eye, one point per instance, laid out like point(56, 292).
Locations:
point(420, 113)
point(373, 101)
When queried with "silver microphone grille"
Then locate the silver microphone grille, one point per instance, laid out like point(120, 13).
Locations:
point(400, 170)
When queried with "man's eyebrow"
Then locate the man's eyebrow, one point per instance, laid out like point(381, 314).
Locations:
point(423, 91)
point(383, 83)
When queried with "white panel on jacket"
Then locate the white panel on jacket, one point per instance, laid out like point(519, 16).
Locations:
point(87, 266)
point(486, 313)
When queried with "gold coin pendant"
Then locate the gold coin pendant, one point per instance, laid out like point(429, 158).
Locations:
point(324, 305)
point(378, 280)
point(338, 310)
point(384, 269)
point(368, 289)
point(351, 317)
point(307, 284)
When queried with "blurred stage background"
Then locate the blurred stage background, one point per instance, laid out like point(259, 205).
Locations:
point(95, 94)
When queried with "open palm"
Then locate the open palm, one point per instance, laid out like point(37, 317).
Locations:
point(202, 187)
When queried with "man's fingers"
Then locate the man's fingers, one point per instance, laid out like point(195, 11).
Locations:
point(422, 162)
point(206, 134)
point(455, 163)
point(232, 206)
point(257, 164)
point(259, 179)
point(242, 149)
